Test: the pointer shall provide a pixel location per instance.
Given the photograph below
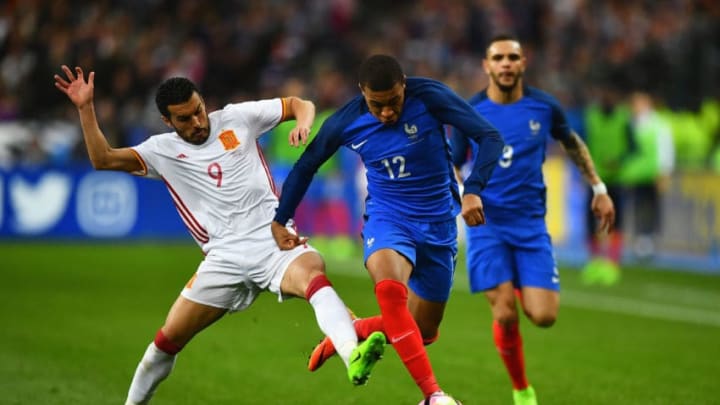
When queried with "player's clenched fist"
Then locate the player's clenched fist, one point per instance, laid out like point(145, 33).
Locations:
point(285, 239)
point(472, 210)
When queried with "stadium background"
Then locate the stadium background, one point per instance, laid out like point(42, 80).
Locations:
point(256, 49)
point(90, 261)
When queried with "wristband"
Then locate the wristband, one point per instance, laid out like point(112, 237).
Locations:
point(599, 188)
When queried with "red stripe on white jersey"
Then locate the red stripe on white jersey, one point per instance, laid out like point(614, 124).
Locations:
point(267, 169)
point(196, 230)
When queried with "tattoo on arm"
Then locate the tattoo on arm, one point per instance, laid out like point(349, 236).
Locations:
point(578, 152)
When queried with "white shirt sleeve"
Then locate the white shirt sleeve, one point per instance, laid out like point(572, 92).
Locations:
point(258, 116)
point(147, 151)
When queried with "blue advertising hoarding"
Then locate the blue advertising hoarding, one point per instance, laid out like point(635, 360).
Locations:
point(81, 203)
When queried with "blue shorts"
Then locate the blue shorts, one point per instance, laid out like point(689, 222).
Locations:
point(520, 252)
point(430, 246)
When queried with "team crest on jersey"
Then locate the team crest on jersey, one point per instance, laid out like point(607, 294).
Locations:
point(534, 127)
point(229, 140)
point(410, 130)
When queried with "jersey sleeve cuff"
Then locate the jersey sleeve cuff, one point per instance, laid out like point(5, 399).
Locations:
point(472, 189)
point(280, 218)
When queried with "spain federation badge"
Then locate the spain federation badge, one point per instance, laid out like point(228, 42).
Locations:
point(229, 140)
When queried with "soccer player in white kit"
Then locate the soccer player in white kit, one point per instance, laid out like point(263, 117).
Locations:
point(221, 186)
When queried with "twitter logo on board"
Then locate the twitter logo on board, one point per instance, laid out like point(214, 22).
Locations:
point(39, 206)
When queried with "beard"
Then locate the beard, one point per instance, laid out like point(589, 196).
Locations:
point(195, 136)
point(506, 88)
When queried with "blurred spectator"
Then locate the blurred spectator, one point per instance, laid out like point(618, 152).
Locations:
point(242, 50)
point(608, 137)
point(647, 170)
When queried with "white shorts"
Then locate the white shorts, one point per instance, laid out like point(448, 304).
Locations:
point(233, 281)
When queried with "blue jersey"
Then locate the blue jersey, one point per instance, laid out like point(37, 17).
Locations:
point(409, 166)
point(517, 188)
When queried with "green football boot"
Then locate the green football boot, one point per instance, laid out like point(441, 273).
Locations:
point(524, 397)
point(364, 357)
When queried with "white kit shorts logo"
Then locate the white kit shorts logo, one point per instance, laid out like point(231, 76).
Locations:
point(107, 204)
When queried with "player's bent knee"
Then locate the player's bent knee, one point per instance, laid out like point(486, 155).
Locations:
point(311, 261)
point(428, 330)
point(165, 344)
point(543, 320)
point(505, 314)
point(301, 273)
point(319, 281)
point(427, 341)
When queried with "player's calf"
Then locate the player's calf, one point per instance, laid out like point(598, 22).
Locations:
point(155, 366)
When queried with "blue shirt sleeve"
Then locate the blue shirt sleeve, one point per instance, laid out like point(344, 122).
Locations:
point(319, 150)
point(560, 129)
point(451, 109)
point(459, 143)
point(460, 146)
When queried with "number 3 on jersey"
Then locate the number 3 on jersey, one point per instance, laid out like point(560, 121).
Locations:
point(215, 173)
point(507, 156)
point(399, 162)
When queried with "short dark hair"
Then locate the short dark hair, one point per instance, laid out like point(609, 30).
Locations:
point(175, 90)
point(501, 37)
point(380, 72)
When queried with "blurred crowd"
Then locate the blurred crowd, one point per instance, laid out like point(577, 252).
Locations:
point(585, 52)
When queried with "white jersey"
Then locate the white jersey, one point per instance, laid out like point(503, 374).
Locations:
point(222, 189)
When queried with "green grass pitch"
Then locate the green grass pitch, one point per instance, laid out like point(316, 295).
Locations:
point(76, 318)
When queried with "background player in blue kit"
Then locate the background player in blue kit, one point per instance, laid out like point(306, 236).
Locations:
point(410, 233)
point(513, 250)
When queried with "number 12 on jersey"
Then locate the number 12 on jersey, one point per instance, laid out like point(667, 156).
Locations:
point(399, 163)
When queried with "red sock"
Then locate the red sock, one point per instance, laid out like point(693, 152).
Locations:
point(594, 246)
point(365, 326)
point(316, 284)
point(404, 335)
point(615, 250)
point(164, 344)
point(509, 345)
point(518, 295)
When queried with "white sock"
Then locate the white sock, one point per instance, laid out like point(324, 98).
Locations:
point(334, 320)
point(154, 367)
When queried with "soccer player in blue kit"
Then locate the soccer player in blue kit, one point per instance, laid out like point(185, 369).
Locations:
point(513, 249)
point(410, 235)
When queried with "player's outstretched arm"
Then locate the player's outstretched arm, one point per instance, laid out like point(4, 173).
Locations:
point(285, 239)
point(602, 205)
point(303, 111)
point(81, 94)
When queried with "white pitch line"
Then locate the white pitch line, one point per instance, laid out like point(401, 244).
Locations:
point(601, 302)
point(692, 296)
point(629, 306)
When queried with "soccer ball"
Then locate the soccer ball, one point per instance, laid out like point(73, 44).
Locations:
point(440, 398)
